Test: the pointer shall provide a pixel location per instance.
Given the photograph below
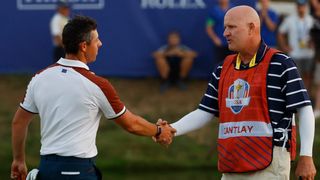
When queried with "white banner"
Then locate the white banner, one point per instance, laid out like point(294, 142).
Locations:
point(244, 128)
point(52, 4)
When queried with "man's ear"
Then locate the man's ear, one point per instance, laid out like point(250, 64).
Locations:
point(252, 27)
point(83, 46)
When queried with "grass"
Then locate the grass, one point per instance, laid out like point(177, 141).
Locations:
point(122, 155)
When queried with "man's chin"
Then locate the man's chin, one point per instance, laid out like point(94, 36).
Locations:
point(230, 47)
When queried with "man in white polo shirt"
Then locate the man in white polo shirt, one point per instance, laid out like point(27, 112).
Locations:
point(70, 100)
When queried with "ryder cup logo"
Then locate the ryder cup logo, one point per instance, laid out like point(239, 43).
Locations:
point(238, 96)
point(52, 4)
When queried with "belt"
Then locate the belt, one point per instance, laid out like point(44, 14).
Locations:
point(54, 157)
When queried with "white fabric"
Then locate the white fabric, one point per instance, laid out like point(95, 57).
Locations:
point(244, 128)
point(70, 172)
point(32, 175)
point(70, 107)
point(306, 129)
point(57, 24)
point(192, 121)
point(279, 169)
point(298, 31)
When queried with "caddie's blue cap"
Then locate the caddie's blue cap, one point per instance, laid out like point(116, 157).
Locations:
point(302, 2)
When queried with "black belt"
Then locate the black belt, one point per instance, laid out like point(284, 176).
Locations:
point(54, 157)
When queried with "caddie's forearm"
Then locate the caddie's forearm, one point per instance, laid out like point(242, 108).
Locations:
point(306, 129)
point(192, 121)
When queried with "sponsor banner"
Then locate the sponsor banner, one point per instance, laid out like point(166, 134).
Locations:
point(52, 4)
point(173, 4)
point(244, 128)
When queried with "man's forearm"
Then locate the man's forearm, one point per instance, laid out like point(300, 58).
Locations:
point(213, 36)
point(20, 125)
point(136, 124)
point(142, 127)
point(18, 142)
point(270, 24)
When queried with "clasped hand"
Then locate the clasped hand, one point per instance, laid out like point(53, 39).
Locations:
point(167, 132)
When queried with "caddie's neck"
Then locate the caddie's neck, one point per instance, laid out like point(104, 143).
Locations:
point(248, 53)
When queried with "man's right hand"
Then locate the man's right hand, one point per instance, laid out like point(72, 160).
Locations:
point(18, 170)
point(167, 133)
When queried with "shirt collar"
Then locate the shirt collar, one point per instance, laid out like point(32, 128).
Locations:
point(258, 56)
point(261, 51)
point(72, 63)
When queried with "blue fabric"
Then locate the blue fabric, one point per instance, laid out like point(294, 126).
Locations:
point(251, 3)
point(53, 167)
point(270, 37)
point(217, 16)
point(283, 83)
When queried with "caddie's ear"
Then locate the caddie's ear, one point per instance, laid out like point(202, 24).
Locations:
point(251, 28)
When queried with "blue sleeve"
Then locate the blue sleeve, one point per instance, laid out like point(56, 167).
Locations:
point(209, 102)
point(274, 17)
point(212, 15)
point(295, 92)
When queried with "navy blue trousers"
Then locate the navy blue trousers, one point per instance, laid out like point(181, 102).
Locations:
point(53, 167)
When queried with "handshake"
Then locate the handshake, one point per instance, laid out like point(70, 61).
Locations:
point(164, 134)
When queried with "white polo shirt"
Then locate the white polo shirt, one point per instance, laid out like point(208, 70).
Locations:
point(57, 24)
point(298, 30)
point(70, 100)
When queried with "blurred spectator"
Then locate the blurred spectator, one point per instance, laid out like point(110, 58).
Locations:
point(251, 3)
point(269, 21)
point(298, 45)
point(174, 61)
point(317, 94)
point(59, 19)
point(315, 33)
point(215, 28)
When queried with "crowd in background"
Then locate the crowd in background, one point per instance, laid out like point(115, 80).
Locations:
point(295, 34)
